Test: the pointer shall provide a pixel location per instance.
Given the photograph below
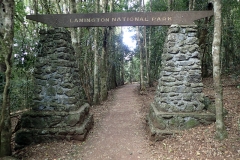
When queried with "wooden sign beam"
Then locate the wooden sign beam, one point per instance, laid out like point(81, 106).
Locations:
point(121, 19)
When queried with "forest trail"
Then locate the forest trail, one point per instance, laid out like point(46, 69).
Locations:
point(120, 133)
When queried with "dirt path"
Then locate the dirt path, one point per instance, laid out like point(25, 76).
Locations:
point(120, 134)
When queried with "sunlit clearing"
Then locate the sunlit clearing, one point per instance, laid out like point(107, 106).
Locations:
point(128, 38)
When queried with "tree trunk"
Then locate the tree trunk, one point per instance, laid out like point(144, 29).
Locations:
point(131, 71)
point(112, 69)
point(146, 48)
point(169, 5)
point(57, 3)
point(150, 51)
point(140, 44)
point(96, 64)
point(122, 69)
point(220, 128)
point(104, 57)
point(74, 34)
point(191, 5)
point(6, 43)
point(142, 85)
point(65, 7)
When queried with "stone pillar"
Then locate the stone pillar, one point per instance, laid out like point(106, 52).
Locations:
point(60, 110)
point(178, 103)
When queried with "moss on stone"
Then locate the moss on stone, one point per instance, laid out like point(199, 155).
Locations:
point(174, 123)
point(191, 123)
point(159, 123)
point(72, 119)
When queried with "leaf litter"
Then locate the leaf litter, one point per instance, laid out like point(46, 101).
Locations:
point(196, 143)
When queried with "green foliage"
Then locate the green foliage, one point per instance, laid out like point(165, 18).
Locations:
point(21, 90)
point(85, 7)
point(132, 73)
point(25, 40)
point(201, 5)
point(158, 40)
point(159, 5)
point(20, 14)
point(122, 6)
point(230, 55)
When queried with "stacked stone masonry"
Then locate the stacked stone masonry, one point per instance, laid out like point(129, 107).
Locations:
point(60, 110)
point(179, 101)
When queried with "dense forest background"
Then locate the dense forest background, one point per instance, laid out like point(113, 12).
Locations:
point(105, 62)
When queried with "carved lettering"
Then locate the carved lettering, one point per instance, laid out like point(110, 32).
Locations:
point(104, 19)
point(161, 19)
point(136, 18)
point(119, 19)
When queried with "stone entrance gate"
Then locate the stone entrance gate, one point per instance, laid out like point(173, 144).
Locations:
point(60, 110)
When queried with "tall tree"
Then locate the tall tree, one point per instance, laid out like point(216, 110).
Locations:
point(74, 31)
point(111, 65)
point(96, 60)
point(147, 56)
point(140, 44)
point(149, 77)
point(141, 49)
point(220, 128)
point(6, 43)
point(104, 57)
